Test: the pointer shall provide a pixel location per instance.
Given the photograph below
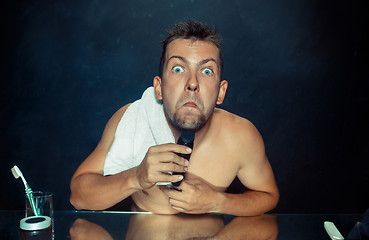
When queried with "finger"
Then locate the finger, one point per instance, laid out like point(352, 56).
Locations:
point(172, 167)
point(158, 174)
point(189, 186)
point(192, 182)
point(179, 209)
point(185, 186)
point(166, 190)
point(170, 157)
point(166, 177)
point(174, 194)
point(171, 147)
point(176, 204)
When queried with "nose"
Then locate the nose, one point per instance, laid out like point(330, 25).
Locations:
point(192, 83)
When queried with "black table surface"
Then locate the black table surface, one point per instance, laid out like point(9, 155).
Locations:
point(128, 225)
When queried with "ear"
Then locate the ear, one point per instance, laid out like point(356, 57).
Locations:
point(157, 87)
point(222, 92)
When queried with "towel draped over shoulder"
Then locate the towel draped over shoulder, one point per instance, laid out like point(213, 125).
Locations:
point(143, 125)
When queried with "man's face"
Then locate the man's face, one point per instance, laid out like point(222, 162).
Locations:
point(190, 86)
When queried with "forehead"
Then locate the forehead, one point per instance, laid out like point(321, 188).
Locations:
point(192, 50)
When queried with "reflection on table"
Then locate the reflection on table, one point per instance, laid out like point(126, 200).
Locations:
point(128, 225)
point(152, 226)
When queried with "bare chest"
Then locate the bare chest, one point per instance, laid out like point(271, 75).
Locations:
point(214, 166)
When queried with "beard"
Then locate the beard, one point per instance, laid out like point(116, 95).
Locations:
point(194, 123)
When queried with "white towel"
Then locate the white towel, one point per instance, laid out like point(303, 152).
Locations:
point(143, 125)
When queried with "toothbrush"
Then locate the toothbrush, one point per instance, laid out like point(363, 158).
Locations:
point(17, 173)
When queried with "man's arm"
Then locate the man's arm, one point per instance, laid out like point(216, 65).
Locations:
point(91, 190)
point(256, 174)
point(261, 197)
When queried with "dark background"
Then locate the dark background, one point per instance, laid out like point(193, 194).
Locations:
point(297, 69)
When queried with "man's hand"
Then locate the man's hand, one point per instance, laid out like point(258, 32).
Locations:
point(196, 197)
point(159, 160)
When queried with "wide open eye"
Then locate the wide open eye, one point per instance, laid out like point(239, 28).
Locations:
point(207, 71)
point(177, 69)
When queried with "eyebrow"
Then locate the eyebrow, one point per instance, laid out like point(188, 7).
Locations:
point(178, 57)
point(208, 60)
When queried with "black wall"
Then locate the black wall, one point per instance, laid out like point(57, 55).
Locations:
point(297, 69)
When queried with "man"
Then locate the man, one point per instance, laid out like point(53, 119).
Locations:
point(189, 86)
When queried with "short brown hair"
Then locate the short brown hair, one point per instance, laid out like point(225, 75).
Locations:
point(193, 30)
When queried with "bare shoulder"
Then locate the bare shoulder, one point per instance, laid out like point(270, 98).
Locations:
point(239, 134)
point(236, 127)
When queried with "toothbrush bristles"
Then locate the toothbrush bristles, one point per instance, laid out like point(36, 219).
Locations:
point(18, 174)
point(15, 172)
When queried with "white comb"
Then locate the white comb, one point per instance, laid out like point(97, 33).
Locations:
point(332, 231)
